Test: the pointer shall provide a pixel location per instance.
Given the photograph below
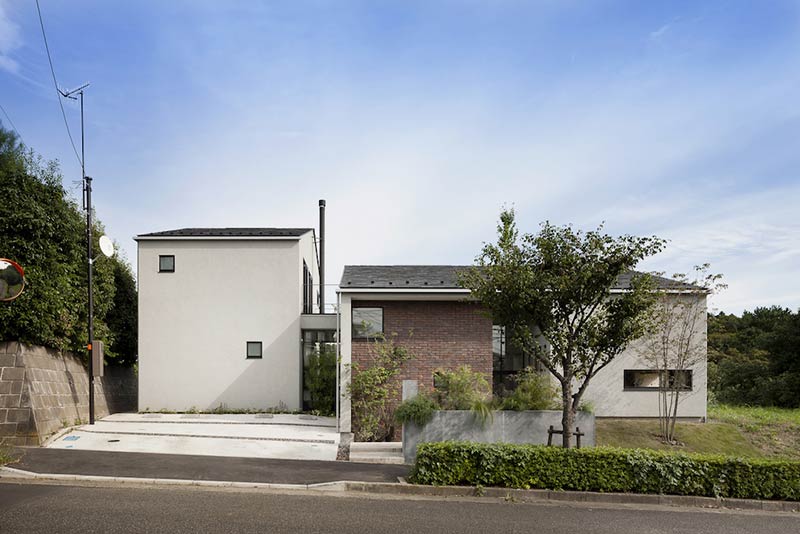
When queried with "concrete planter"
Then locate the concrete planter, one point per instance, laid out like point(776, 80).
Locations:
point(505, 426)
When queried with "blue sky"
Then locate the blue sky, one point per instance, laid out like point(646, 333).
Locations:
point(419, 121)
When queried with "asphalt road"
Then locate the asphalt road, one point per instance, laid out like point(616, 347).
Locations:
point(31, 508)
point(186, 467)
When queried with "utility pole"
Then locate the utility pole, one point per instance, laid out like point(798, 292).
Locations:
point(88, 185)
point(87, 191)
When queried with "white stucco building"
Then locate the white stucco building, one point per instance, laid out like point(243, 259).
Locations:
point(223, 314)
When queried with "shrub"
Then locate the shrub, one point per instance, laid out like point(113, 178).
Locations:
point(320, 379)
point(605, 469)
point(460, 389)
point(42, 229)
point(534, 391)
point(371, 386)
point(418, 410)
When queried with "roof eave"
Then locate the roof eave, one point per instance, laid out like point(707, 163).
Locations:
point(425, 290)
point(218, 237)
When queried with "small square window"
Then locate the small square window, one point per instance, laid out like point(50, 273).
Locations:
point(367, 322)
point(166, 264)
point(254, 349)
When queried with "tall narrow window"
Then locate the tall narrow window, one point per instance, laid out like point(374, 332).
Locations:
point(308, 290)
point(166, 264)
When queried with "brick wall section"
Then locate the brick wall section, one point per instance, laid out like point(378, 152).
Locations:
point(443, 335)
point(43, 390)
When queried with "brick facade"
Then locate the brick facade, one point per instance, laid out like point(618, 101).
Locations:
point(441, 334)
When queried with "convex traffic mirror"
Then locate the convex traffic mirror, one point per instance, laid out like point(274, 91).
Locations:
point(12, 280)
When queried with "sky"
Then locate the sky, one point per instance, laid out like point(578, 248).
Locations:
point(419, 122)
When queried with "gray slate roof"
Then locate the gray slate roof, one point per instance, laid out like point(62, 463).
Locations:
point(230, 232)
point(442, 277)
point(402, 276)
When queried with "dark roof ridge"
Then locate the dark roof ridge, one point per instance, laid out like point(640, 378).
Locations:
point(446, 277)
point(230, 232)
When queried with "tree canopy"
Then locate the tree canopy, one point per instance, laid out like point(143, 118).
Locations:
point(43, 229)
point(755, 359)
point(552, 293)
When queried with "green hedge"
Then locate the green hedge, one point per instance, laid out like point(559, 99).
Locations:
point(605, 469)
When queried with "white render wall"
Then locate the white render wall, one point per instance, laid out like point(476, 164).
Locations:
point(194, 324)
point(607, 394)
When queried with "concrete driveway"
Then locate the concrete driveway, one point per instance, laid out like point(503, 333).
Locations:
point(296, 437)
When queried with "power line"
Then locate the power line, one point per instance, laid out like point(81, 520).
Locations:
point(12, 124)
point(55, 84)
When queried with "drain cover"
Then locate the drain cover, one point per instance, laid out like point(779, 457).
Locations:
point(113, 441)
point(264, 416)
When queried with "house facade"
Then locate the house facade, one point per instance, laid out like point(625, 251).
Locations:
point(434, 317)
point(226, 317)
point(229, 317)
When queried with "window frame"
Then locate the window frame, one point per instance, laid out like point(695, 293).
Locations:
point(162, 256)
point(260, 350)
point(353, 323)
point(660, 386)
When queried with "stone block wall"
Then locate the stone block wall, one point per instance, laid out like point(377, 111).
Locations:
point(42, 390)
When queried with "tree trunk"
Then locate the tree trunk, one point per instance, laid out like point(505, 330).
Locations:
point(673, 417)
point(567, 413)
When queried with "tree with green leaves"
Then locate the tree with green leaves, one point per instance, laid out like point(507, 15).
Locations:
point(373, 386)
point(42, 229)
point(552, 293)
point(677, 341)
point(754, 359)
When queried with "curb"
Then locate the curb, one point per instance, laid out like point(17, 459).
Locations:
point(539, 495)
point(404, 489)
point(10, 473)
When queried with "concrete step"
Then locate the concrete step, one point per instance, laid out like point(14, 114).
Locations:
point(376, 457)
point(381, 446)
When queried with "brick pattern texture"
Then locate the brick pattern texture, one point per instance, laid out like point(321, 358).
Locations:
point(43, 390)
point(441, 335)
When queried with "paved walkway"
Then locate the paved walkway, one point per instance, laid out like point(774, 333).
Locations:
point(187, 467)
point(283, 436)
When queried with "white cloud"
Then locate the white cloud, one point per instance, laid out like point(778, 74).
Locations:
point(10, 40)
point(416, 172)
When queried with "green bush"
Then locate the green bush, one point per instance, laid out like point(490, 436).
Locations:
point(605, 469)
point(460, 389)
point(43, 229)
point(418, 410)
point(371, 387)
point(534, 391)
point(320, 379)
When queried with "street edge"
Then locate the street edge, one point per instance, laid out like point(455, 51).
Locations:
point(530, 495)
point(404, 489)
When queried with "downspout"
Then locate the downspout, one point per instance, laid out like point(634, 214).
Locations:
point(322, 256)
point(338, 358)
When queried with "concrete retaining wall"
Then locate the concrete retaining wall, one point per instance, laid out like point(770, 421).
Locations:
point(42, 390)
point(505, 426)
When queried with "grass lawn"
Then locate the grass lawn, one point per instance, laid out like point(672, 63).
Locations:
point(733, 430)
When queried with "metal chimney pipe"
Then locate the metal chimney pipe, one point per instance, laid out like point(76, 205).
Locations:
point(322, 256)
